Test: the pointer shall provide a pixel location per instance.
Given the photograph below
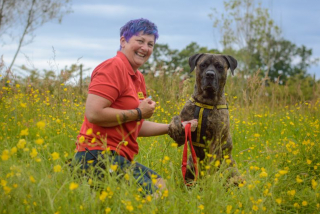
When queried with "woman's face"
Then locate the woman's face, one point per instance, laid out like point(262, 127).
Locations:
point(138, 49)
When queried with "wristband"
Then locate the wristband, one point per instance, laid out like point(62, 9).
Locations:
point(139, 114)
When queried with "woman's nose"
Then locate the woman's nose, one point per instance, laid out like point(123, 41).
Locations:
point(144, 47)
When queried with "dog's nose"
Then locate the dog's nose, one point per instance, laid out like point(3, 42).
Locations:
point(210, 74)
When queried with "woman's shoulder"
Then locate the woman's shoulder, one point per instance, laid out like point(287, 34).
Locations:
point(109, 65)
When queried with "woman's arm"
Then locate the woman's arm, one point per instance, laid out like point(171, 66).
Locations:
point(149, 128)
point(99, 112)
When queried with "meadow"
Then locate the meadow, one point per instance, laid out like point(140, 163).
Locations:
point(275, 131)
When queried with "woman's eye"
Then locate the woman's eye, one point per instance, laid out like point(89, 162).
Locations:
point(151, 45)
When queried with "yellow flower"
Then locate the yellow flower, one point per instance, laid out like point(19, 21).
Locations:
point(41, 124)
point(174, 144)
point(129, 207)
point(283, 172)
point(291, 192)
point(7, 189)
point(81, 139)
point(55, 156)
point(304, 203)
point(149, 198)
point(93, 140)
point(13, 150)
point(3, 183)
point(32, 179)
point(103, 196)
point(217, 163)
point(73, 186)
point(309, 161)
point(5, 155)
point(279, 200)
point(229, 208)
point(24, 132)
point(314, 184)
point(201, 207)
point(23, 105)
point(114, 167)
point(126, 176)
point(89, 131)
point(108, 210)
point(263, 174)
point(165, 193)
point(21, 144)
point(39, 141)
point(33, 153)
point(299, 180)
point(256, 135)
point(255, 208)
point(296, 205)
point(57, 168)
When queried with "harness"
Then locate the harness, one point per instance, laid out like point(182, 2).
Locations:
point(201, 113)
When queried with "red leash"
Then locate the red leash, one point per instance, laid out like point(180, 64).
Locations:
point(187, 131)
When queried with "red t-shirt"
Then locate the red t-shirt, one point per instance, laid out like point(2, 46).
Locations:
point(115, 80)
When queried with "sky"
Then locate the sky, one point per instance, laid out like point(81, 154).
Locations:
point(90, 34)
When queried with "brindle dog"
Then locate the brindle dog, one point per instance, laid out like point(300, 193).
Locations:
point(211, 76)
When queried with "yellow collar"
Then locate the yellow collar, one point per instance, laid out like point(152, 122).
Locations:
point(208, 106)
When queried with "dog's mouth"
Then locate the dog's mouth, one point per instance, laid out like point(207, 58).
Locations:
point(210, 85)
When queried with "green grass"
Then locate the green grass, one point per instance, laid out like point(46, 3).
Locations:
point(276, 148)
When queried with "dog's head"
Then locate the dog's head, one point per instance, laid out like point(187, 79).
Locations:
point(211, 70)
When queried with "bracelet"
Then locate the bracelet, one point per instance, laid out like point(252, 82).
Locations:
point(139, 114)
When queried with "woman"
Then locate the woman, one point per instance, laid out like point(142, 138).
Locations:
point(116, 106)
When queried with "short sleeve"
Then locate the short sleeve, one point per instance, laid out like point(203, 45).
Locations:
point(107, 79)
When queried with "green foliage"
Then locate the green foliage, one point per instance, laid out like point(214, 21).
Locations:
point(253, 38)
point(275, 145)
point(163, 58)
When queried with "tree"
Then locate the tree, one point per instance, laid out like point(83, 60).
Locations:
point(171, 60)
point(29, 15)
point(249, 33)
point(244, 23)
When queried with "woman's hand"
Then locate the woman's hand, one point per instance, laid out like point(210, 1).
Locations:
point(194, 124)
point(147, 107)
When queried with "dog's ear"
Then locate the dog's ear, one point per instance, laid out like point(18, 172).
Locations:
point(193, 61)
point(232, 62)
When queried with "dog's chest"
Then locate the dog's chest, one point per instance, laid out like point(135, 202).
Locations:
point(213, 124)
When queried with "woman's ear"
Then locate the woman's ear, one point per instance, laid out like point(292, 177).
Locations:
point(122, 42)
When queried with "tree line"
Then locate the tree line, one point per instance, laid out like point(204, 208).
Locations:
point(246, 28)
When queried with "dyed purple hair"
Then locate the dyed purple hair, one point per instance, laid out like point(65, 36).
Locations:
point(133, 27)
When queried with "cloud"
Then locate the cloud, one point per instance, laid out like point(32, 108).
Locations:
point(104, 10)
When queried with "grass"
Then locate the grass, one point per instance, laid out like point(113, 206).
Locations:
point(275, 136)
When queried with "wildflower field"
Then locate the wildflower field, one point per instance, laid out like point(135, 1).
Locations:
point(276, 146)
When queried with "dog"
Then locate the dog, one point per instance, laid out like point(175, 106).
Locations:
point(208, 105)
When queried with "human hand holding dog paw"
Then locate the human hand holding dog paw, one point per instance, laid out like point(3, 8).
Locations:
point(194, 124)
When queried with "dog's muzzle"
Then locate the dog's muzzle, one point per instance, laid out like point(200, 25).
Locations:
point(210, 81)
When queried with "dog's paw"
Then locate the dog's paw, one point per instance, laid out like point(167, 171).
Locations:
point(176, 130)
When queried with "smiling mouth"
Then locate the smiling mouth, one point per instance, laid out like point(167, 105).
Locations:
point(140, 54)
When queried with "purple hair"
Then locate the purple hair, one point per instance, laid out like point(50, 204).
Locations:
point(133, 27)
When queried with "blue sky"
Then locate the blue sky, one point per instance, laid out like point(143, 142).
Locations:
point(90, 34)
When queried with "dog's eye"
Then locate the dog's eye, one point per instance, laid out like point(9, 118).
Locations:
point(203, 65)
point(218, 66)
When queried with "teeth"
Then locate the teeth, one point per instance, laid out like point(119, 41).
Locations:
point(142, 55)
